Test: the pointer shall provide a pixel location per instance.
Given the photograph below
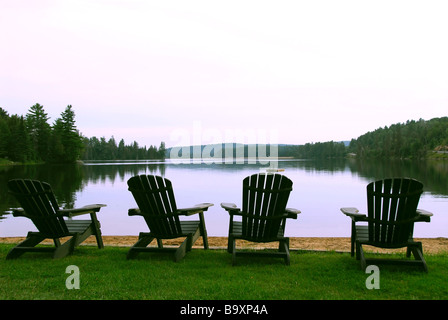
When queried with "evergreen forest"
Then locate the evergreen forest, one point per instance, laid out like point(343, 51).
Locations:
point(413, 139)
point(409, 140)
point(31, 138)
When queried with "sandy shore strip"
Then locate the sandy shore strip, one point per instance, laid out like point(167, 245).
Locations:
point(430, 245)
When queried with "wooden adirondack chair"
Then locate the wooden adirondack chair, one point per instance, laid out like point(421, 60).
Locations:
point(263, 215)
point(156, 203)
point(389, 223)
point(39, 204)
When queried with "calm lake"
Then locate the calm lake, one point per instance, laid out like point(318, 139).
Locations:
point(320, 189)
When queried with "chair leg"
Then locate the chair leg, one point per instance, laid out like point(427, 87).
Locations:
point(203, 230)
point(352, 249)
point(353, 238)
point(285, 249)
point(182, 250)
point(97, 230)
point(233, 251)
point(417, 251)
point(193, 239)
point(358, 250)
point(230, 246)
point(81, 237)
point(57, 242)
point(32, 239)
point(143, 241)
point(67, 248)
point(361, 257)
point(408, 251)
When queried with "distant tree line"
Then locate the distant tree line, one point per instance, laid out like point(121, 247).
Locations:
point(318, 150)
point(31, 138)
point(413, 139)
point(100, 149)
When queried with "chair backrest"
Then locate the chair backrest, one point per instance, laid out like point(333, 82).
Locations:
point(391, 207)
point(155, 198)
point(39, 203)
point(265, 197)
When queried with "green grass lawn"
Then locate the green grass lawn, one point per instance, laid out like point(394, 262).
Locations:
point(209, 275)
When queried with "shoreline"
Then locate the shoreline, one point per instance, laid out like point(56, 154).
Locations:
point(337, 244)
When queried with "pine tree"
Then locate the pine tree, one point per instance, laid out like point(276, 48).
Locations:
point(18, 145)
point(5, 134)
point(162, 151)
point(39, 130)
point(67, 144)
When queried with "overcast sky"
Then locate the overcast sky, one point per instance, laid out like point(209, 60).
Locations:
point(207, 71)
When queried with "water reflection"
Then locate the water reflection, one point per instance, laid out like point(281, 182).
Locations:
point(320, 189)
point(432, 173)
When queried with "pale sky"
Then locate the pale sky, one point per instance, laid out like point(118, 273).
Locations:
point(219, 71)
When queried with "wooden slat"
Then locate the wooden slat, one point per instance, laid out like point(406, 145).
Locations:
point(78, 225)
point(237, 231)
point(189, 226)
point(385, 215)
point(259, 196)
point(158, 222)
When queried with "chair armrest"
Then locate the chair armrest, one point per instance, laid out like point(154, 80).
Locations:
point(201, 207)
point(134, 212)
point(353, 213)
point(424, 215)
point(292, 213)
point(91, 208)
point(230, 207)
point(19, 212)
point(185, 211)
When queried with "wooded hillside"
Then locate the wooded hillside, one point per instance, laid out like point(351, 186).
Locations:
point(413, 139)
